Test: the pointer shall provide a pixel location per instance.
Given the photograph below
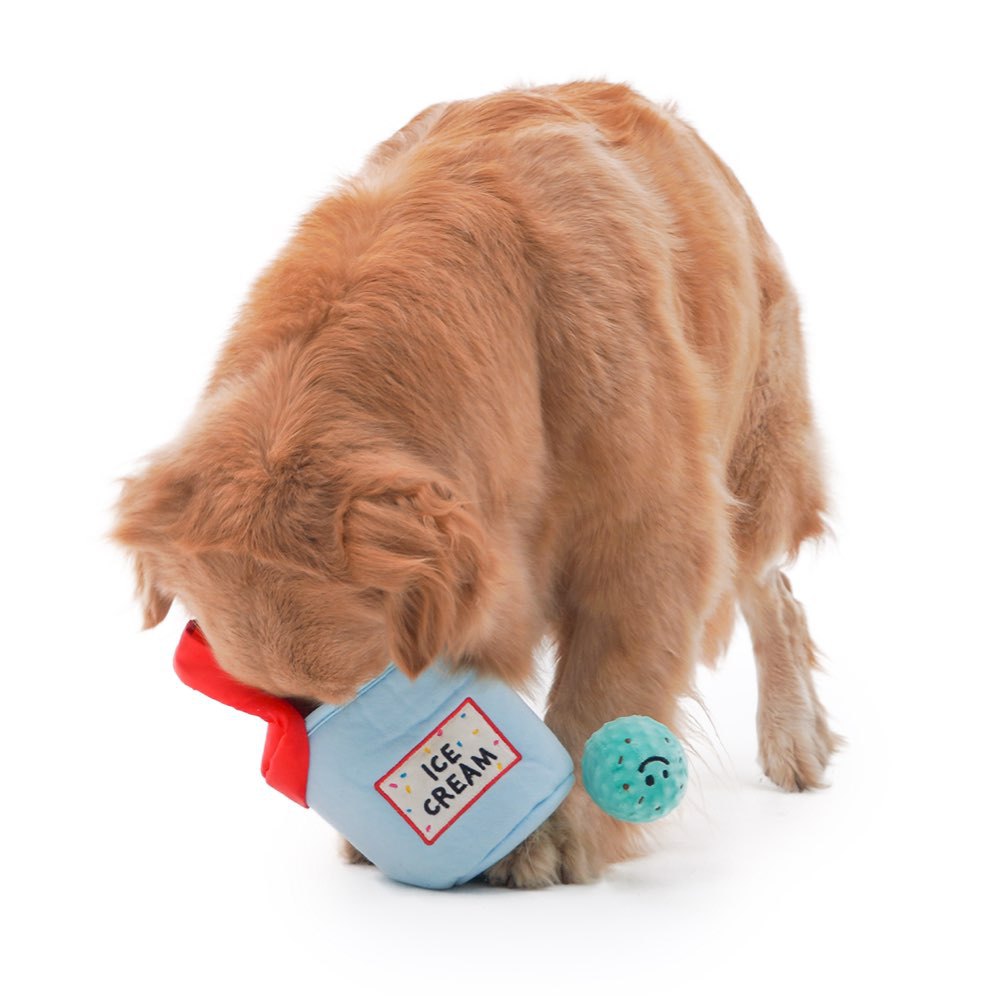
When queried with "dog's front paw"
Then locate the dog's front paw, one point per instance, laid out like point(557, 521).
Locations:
point(563, 850)
point(351, 855)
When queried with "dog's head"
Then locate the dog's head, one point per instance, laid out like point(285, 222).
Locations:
point(308, 573)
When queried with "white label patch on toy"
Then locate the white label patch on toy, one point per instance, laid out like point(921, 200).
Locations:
point(443, 775)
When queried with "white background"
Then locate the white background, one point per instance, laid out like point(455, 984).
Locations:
point(155, 158)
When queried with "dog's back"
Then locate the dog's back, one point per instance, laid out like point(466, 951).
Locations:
point(616, 247)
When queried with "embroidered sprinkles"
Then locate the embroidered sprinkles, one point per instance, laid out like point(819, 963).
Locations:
point(442, 779)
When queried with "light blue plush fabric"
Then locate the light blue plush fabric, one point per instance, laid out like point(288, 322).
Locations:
point(430, 803)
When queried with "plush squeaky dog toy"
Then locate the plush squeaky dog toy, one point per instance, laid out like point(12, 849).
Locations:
point(435, 779)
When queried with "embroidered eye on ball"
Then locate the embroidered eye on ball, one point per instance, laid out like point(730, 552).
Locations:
point(635, 769)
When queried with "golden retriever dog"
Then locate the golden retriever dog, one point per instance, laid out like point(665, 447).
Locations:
point(536, 370)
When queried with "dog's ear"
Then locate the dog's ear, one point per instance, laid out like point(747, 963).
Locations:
point(425, 552)
point(149, 506)
point(155, 602)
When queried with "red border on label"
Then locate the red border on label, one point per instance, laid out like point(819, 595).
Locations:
point(421, 744)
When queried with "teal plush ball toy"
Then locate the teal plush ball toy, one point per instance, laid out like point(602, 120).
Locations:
point(635, 769)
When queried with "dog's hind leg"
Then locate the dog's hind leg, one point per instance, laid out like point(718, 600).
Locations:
point(794, 739)
point(776, 475)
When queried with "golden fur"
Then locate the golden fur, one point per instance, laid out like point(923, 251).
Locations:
point(536, 369)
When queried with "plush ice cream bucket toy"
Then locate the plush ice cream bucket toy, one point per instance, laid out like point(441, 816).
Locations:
point(433, 779)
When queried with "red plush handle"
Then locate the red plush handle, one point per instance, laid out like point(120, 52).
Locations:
point(285, 754)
